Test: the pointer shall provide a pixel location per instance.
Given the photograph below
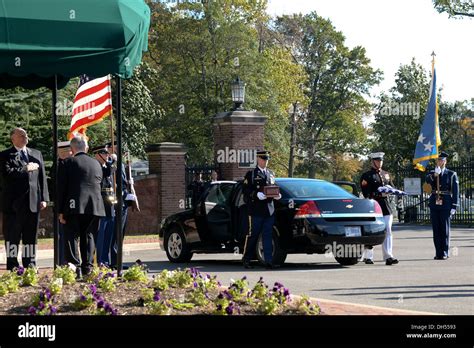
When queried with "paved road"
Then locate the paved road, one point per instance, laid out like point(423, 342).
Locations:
point(417, 283)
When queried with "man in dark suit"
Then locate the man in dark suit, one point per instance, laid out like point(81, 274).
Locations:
point(25, 193)
point(443, 204)
point(80, 204)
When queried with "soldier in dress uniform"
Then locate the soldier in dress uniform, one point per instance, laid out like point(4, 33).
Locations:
point(443, 203)
point(126, 182)
point(107, 223)
point(64, 151)
point(370, 182)
point(261, 210)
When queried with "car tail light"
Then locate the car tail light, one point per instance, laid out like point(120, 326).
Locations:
point(378, 209)
point(308, 210)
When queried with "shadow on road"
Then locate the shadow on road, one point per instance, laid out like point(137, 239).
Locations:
point(424, 291)
point(235, 266)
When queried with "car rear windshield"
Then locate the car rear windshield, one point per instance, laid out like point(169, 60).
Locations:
point(313, 189)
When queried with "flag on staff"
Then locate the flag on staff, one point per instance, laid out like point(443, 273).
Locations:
point(92, 102)
point(429, 139)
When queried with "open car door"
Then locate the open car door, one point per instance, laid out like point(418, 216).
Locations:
point(218, 211)
point(348, 186)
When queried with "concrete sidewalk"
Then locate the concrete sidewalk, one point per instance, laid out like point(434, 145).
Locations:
point(331, 307)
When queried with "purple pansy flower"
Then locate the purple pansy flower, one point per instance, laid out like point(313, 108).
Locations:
point(229, 310)
point(157, 296)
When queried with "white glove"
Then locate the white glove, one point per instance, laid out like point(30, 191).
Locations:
point(453, 211)
point(261, 196)
point(131, 181)
point(437, 170)
point(277, 198)
point(114, 157)
point(30, 167)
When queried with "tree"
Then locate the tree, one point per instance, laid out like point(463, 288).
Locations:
point(339, 78)
point(455, 8)
point(457, 129)
point(343, 167)
point(400, 114)
point(138, 109)
point(198, 49)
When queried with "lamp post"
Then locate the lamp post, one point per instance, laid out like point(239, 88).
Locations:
point(238, 93)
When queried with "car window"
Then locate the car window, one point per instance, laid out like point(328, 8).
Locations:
point(313, 189)
point(220, 193)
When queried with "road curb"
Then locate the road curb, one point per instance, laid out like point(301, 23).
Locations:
point(44, 254)
point(333, 307)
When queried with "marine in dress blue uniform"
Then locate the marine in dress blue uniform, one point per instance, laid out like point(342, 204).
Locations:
point(370, 182)
point(443, 204)
point(261, 210)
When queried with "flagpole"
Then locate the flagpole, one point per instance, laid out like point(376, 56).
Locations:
point(114, 175)
point(433, 55)
point(119, 212)
point(55, 174)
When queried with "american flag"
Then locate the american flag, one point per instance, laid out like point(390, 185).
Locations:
point(93, 102)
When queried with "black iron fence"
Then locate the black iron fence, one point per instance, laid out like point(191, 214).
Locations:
point(414, 208)
point(196, 179)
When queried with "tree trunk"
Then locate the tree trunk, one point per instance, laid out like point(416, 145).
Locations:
point(292, 142)
point(312, 172)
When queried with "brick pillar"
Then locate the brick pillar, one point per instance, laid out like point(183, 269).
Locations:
point(167, 161)
point(234, 131)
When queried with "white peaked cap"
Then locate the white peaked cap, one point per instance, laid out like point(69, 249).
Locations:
point(375, 155)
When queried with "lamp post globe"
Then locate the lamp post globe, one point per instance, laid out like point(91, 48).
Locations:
point(238, 93)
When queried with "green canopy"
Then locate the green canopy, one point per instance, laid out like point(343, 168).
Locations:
point(67, 38)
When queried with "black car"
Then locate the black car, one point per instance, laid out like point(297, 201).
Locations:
point(313, 216)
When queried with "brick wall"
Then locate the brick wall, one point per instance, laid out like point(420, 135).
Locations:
point(167, 161)
point(147, 220)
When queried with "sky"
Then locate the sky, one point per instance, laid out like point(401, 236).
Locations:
point(394, 31)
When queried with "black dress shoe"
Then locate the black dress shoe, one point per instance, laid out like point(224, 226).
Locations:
point(78, 273)
point(441, 257)
point(391, 261)
point(368, 262)
point(271, 266)
point(247, 264)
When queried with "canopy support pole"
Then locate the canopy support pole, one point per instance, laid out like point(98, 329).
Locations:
point(119, 173)
point(55, 166)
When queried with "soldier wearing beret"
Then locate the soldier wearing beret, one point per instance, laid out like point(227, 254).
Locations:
point(443, 203)
point(370, 182)
point(261, 210)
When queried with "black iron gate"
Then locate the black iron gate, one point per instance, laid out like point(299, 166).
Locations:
point(414, 208)
point(196, 179)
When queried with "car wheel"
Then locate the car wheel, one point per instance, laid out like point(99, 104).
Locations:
point(278, 255)
point(176, 246)
point(347, 261)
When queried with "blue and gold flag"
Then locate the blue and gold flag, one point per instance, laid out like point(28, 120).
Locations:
point(429, 138)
